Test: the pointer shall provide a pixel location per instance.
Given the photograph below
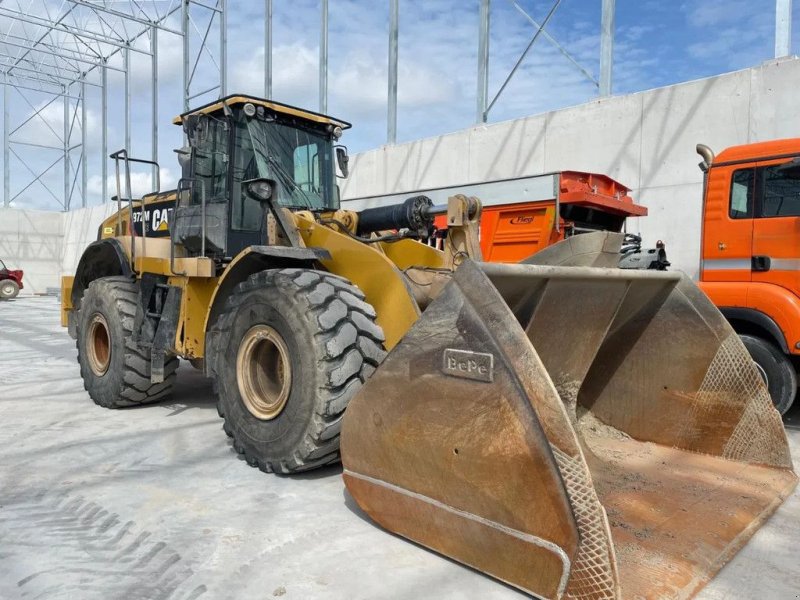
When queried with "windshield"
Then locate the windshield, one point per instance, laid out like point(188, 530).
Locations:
point(299, 160)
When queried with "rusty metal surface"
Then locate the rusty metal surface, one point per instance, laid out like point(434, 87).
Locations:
point(577, 424)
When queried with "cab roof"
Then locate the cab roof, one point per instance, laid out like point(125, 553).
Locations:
point(759, 151)
point(286, 109)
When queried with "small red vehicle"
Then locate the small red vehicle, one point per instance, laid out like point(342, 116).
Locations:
point(10, 282)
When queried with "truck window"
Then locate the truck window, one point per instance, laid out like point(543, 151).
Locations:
point(781, 191)
point(742, 194)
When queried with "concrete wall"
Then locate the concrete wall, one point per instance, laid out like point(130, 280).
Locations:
point(31, 240)
point(645, 140)
point(47, 244)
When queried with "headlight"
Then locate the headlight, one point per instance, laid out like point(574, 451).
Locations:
point(337, 132)
point(250, 109)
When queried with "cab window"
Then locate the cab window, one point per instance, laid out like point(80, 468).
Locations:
point(742, 192)
point(781, 190)
point(211, 162)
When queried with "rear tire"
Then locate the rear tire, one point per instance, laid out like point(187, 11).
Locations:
point(289, 351)
point(8, 289)
point(115, 371)
point(779, 371)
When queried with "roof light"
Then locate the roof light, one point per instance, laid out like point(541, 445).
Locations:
point(250, 109)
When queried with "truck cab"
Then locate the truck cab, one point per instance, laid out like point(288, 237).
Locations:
point(750, 253)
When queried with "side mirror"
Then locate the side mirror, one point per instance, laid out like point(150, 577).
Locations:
point(343, 159)
point(260, 189)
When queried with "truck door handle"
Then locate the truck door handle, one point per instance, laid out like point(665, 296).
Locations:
point(760, 263)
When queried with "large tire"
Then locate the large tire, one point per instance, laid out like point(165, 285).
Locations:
point(320, 337)
point(778, 369)
point(8, 289)
point(115, 371)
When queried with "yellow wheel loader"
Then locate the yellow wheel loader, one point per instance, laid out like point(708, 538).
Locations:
point(571, 428)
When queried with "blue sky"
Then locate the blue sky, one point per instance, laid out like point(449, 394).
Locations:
point(657, 43)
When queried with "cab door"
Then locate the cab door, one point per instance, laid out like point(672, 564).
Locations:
point(728, 224)
point(776, 233)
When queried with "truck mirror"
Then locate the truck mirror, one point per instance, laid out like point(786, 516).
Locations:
point(343, 160)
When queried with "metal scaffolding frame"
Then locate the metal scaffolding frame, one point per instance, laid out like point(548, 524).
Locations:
point(55, 51)
point(58, 51)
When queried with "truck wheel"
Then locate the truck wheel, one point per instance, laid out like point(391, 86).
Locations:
point(781, 378)
point(289, 351)
point(115, 371)
point(8, 289)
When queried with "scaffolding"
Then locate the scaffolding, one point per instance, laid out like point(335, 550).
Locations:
point(53, 53)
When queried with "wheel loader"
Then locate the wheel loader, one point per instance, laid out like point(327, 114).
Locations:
point(573, 429)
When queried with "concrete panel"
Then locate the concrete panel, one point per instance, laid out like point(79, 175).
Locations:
point(31, 240)
point(602, 136)
point(674, 216)
point(712, 111)
point(773, 107)
point(436, 162)
point(508, 149)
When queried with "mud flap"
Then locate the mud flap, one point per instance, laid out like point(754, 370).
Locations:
point(573, 431)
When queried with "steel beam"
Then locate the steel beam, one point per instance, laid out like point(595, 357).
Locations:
point(126, 60)
point(6, 146)
point(391, 112)
point(607, 47)
point(268, 49)
point(66, 202)
point(482, 93)
point(783, 28)
point(84, 172)
point(323, 59)
point(223, 49)
point(104, 126)
point(524, 54)
point(154, 104)
point(185, 30)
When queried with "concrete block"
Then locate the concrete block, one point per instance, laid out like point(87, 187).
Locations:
point(507, 149)
point(773, 104)
point(603, 136)
point(674, 216)
point(711, 111)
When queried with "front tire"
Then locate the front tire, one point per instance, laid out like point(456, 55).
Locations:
point(290, 350)
point(115, 371)
point(781, 378)
point(8, 289)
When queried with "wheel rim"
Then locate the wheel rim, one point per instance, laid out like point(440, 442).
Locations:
point(263, 372)
point(98, 345)
point(8, 289)
point(763, 373)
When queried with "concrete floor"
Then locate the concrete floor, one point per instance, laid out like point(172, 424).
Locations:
point(153, 503)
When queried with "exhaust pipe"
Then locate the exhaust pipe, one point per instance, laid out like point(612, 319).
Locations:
point(708, 157)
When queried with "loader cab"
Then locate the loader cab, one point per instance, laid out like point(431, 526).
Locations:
point(237, 141)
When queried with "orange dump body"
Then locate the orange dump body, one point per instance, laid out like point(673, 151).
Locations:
point(514, 230)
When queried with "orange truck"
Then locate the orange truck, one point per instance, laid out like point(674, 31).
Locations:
point(750, 253)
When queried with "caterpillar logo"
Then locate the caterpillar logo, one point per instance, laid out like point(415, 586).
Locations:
point(158, 215)
point(521, 220)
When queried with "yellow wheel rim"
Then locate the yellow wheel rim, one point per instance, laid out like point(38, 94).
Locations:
point(263, 372)
point(98, 345)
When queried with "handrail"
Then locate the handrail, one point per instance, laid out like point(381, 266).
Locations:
point(123, 155)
